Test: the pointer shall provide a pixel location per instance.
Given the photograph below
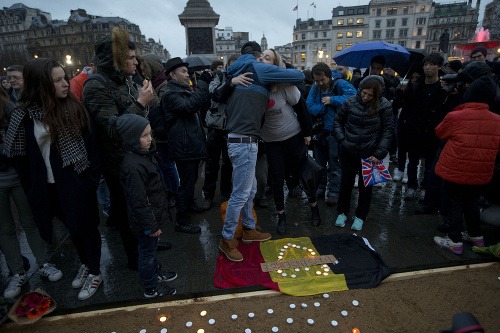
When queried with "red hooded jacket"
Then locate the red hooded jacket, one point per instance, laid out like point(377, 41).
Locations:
point(473, 141)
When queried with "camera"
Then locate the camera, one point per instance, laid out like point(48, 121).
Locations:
point(453, 81)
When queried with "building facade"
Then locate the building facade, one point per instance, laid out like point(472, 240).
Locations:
point(350, 25)
point(491, 19)
point(455, 22)
point(311, 43)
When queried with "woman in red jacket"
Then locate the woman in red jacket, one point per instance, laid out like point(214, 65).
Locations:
point(467, 161)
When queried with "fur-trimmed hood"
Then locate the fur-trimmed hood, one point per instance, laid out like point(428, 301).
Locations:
point(112, 53)
point(152, 65)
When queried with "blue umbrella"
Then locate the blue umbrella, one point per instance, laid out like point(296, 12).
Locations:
point(360, 54)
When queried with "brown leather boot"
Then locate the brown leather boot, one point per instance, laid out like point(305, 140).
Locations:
point(229, 248)
point(253, 235)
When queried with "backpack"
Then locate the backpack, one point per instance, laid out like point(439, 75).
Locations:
point(158, 123)
point(216, 117)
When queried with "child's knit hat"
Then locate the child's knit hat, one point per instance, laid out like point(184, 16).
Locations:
point(130, 128)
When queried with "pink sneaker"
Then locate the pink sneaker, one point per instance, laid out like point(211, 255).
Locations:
point(476, 241)
point(448, 244)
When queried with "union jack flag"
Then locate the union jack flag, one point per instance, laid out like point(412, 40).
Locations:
point(374, 173)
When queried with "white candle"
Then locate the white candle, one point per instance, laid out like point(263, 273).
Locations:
point(275, 329)
point(344, 313)
point(310, 321)
point(355, 303)
point(163, 330)
point(304, 305)
point(189, 324)
point(251, 315)
point(293, 276)
point(326, 295)
point(316, 304)
point(334, 323)
point(292, 306)
point(234, 317)
point(289, 320)
point(247, 330)
point(203, 313)
point(270, 311)
point(211, 321)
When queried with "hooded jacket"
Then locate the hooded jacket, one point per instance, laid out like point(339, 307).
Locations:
point(338, 91)
point(140, 178)
point(246, 107)
point(361, 132)
point(473, 142)
point(117, 96)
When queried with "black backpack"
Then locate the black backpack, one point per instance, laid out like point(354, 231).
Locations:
point(158, 123)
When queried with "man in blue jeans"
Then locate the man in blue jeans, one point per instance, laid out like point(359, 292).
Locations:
point(245, 111)
point(326, 95)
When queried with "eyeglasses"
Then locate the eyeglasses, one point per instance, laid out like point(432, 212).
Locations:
point(14, 78)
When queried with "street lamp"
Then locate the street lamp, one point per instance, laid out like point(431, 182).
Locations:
point(68, 63)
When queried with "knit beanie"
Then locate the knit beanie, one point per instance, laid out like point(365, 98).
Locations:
point(130, 128)
point(474, 70)
point(483, 90)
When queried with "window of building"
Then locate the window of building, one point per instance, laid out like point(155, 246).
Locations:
point(421, 20)
point(403, 32)
point(377, 23)
point(417, 44)
point(350, 11)
point(303, 36)
point(379, 11)
point(359, 34)
point(227, 47)
point(323, 45)
point(377, 34)
point(392, 11)
point(227, 34)
point(341, 12)
point(340, 22)
point(404, 21)
point(324, 34)
point(389, 33)
point(350, 21)
point(338, 47)
point(303, 47)
point(361, 11)
point(391, 23)
point(315, 35)
point(220, 47)
point(348, 34)
point(303, 57)
point(419, 32)
point(402, 43)
point(405, 10)
point(340, 35)
point(296, 37)
point(458, 35)
point(348, 45)
point(422, 8)
point(359, 21)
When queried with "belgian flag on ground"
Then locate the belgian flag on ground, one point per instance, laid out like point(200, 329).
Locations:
point(304, 266)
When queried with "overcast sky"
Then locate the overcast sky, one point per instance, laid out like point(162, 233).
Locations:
point(158, 19)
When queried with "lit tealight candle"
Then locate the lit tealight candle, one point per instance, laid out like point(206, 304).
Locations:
point(304, 248)
point(142, 331)
point(306, 268)
point(289, 320)
point(274, 329)
point(251, 315)
point(189, 324)
point(355, 330)
point(293, 245)
point(211, 321)
point(280, 257)
point(326, 269)
point(201, 330)
point(303, 305)
point(279, 271)
point(270, 311)
point(325, 265)
point(281, 253)
point(163, 330)
point(334, 323)
point(310, 250)
point(316, 304)
point(313, 253)
point(203, 313)
point(344, 313)
point(293, 276)
point(310, 321)
point(286, 246)
point(318, 272)
point(247, 330)
point(297, 269)
point(355, 303)
point(283, 274)
point(326, 296)
point(289, 244)
point(292, 306)
point(234, 317)
point(325, 274)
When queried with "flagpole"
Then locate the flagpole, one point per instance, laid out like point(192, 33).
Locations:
point(297, 10)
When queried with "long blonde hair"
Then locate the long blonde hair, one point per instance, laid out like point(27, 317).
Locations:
point(278, 61)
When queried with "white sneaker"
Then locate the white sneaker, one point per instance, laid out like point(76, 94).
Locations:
point(410, 194)
point(51, 272)
point(90, 287)
point(398, 175)
point(80, 278)
point(356, 180)
point(405, 179)
point(16, 282)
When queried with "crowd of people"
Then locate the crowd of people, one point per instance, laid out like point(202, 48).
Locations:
point(68, 147)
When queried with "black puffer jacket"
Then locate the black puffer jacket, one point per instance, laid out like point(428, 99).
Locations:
point(181, 108)
point(146, 197)
point(363, 133)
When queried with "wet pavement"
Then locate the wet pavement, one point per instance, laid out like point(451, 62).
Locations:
point(403, 239)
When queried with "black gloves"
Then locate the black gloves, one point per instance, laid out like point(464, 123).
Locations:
point(205, 76)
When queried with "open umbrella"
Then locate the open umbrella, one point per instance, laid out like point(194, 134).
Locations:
point(198, 63)
point(360, 54)
point(413, 64)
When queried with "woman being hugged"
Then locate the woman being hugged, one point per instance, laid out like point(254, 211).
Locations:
point(49, 138)
point(363, 127)
point(286, 133)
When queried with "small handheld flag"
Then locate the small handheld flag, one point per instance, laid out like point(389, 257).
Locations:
point(374, 172)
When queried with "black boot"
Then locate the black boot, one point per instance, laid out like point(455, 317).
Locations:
point(315, 218)
point(281, 227)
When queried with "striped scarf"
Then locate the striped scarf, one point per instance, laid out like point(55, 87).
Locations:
point(70, 145)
